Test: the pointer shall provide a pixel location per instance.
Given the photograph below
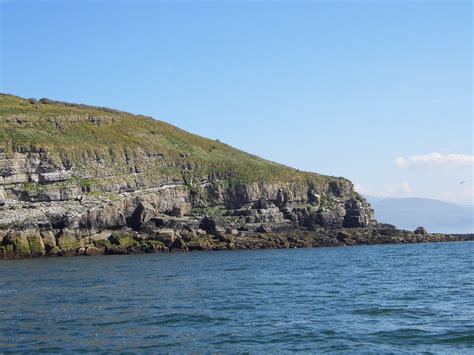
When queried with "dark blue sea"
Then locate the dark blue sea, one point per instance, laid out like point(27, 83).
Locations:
point(363, 299)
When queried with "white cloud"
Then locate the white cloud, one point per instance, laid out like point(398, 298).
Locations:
point(436, 160)
point(405, 187)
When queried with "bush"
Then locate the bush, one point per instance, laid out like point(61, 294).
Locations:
point(45, 101)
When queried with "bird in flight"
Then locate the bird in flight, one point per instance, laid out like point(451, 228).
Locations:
point(462, 182)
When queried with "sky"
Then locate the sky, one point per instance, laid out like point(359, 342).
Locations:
point(379, 92)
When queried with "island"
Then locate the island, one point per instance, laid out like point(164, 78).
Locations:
point(85, 180)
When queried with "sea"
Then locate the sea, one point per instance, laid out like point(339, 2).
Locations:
point(393, 299)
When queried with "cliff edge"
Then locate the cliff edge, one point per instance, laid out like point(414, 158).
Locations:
point(77, 179)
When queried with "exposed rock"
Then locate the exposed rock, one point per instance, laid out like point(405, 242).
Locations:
point(231, 231)
point(263, 229)
point(2, 196)
point(180, 210)
point(64, 198)
point(68, 241)
point(358, 214)
point(178, 245)
point(262, 204)
point(342, 236)
point(421, 231)
point(16, 245)
point(93, 251)
point(49, 240)
point(340, 188)
point(281, 198)
point(209, 225)
point(165, 235)
point(23, 244)
point(142, 214)
point(16, 179)
point(54, 176)
point(313, 198)
point(123, 239)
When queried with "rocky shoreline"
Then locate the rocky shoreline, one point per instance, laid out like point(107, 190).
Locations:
point(163, 233)
point(89, 181)
point(56, 217)
point(128, 242)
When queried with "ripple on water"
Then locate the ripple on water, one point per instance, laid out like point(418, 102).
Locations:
point(174, 319)
point(380, 299)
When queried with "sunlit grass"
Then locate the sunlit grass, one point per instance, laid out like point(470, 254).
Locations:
point(75, 129)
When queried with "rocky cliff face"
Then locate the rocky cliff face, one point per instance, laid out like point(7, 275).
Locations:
point(59, 195)
point(34, 178)
point(49, 207)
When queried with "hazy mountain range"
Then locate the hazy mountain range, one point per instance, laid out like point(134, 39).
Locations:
point(434, 215)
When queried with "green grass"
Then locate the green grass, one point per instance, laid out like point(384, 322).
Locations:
point(84, 183)
point(72, 131)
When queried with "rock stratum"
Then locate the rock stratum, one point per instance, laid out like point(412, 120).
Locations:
point(84, 180)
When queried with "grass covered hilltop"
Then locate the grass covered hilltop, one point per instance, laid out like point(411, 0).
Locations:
point(83, 180)
point(81, 134)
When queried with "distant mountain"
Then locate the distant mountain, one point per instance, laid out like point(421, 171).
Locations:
point(434, 215)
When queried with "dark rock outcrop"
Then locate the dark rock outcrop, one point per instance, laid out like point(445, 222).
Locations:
point(421, 231)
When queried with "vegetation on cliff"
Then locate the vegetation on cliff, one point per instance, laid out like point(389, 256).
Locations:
point(78, 133)
point(77, 179)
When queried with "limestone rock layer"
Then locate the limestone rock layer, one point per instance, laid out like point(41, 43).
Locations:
point(73, 176)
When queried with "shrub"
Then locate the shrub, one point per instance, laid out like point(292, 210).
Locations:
point(45, 101)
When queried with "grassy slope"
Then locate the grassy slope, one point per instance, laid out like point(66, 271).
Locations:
point(66, 127)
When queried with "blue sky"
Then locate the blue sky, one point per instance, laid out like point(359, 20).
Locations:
point(340, 88)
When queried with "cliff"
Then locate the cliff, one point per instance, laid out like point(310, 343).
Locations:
point(82, 179)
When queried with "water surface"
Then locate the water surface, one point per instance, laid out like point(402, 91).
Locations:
point(392, 298)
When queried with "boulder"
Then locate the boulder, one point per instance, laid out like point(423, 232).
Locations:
point(263, 229)
point(313, 198)
point(92, 251)
point(55, 176)
point(53, 194)
point(209, 225)
point(165, 235)
point(421, 231)
point(110, 216)
point(16, 179)
point(342, 236)
point(22, 244)
point(262, 204)
point(200, 243)
point(49, 241)
point(123, 239)
point(231, 231)
point(70, 193)
point(16, 245)
point(67, 240)
point(142, 214)
point(178, 245)
point(179, 211)
point(280, 198)
point(36, 245)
